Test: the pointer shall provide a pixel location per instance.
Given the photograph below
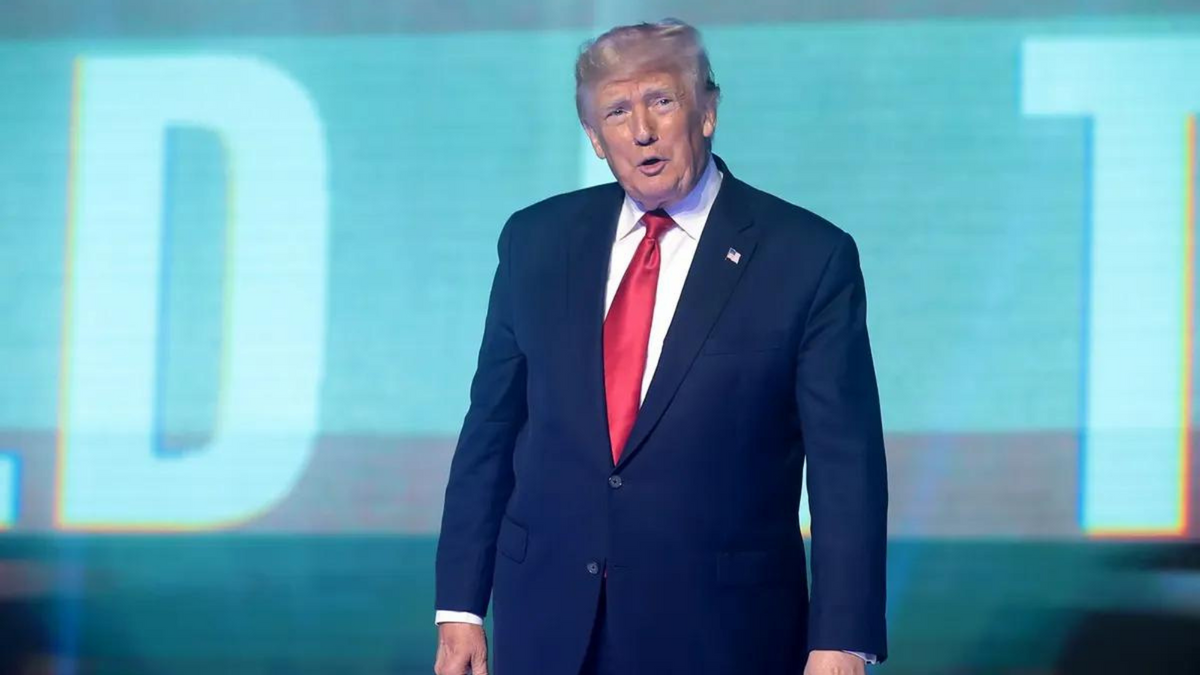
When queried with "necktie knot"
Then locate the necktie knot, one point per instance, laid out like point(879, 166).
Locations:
point(657, 222)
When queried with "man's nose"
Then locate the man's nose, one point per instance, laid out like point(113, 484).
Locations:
point(643, 128)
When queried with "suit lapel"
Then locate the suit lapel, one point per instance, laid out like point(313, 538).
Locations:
point(589, 248)
point(709, 283)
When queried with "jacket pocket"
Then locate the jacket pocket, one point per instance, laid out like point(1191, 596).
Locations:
point(751, 568)
point(739, 344)
point(512, 540)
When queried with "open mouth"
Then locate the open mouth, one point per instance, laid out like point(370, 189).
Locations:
point(651, 165)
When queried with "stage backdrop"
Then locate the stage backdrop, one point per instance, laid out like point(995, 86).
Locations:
point(245, 251)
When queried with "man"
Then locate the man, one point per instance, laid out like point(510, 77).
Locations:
point(660, 357)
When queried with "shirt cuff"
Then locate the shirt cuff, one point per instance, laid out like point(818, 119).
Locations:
point(869, 658)
point(444, 616)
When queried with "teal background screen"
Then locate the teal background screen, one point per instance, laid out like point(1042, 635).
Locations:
point(245, 251)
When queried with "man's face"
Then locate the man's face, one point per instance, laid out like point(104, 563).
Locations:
point(653, 134)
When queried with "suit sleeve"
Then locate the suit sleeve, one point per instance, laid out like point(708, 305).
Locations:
point(838, 405)
point(481, 472)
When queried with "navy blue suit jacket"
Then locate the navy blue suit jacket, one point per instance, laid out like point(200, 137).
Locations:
point(766, 365)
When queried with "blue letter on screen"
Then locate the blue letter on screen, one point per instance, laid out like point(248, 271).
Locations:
point(274, 325)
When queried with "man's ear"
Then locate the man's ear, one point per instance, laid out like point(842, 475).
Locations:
point(710, 119)
point(595, 139)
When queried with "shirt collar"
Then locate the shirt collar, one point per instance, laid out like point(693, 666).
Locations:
point(689, 213)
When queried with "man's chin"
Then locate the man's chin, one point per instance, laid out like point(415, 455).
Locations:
point(652, 199)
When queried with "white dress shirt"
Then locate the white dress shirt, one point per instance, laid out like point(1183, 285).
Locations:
point(676, 248)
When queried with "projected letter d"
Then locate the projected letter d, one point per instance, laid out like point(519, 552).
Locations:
point(110, 475)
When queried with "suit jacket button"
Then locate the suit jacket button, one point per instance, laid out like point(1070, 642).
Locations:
point(593, 568)
point(614, 482)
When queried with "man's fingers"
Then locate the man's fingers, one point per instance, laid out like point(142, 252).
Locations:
point(479, 663)
point(450, 664)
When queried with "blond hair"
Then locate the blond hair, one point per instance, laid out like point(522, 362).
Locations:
point(669, 45)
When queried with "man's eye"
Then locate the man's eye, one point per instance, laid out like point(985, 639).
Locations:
point(663, 101)
point(614, 112)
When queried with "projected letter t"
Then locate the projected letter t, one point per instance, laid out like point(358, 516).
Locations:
point(1138, 315)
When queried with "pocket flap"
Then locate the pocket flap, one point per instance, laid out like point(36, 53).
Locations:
point(512, 540)
point(746, 342)
point(750, 568)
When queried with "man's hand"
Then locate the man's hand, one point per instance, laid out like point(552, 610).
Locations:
point(461, 645)
point(825, 662)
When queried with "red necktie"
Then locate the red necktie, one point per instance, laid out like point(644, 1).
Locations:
point(627, 331)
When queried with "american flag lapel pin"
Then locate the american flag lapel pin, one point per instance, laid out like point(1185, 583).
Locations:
point(733, 256)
